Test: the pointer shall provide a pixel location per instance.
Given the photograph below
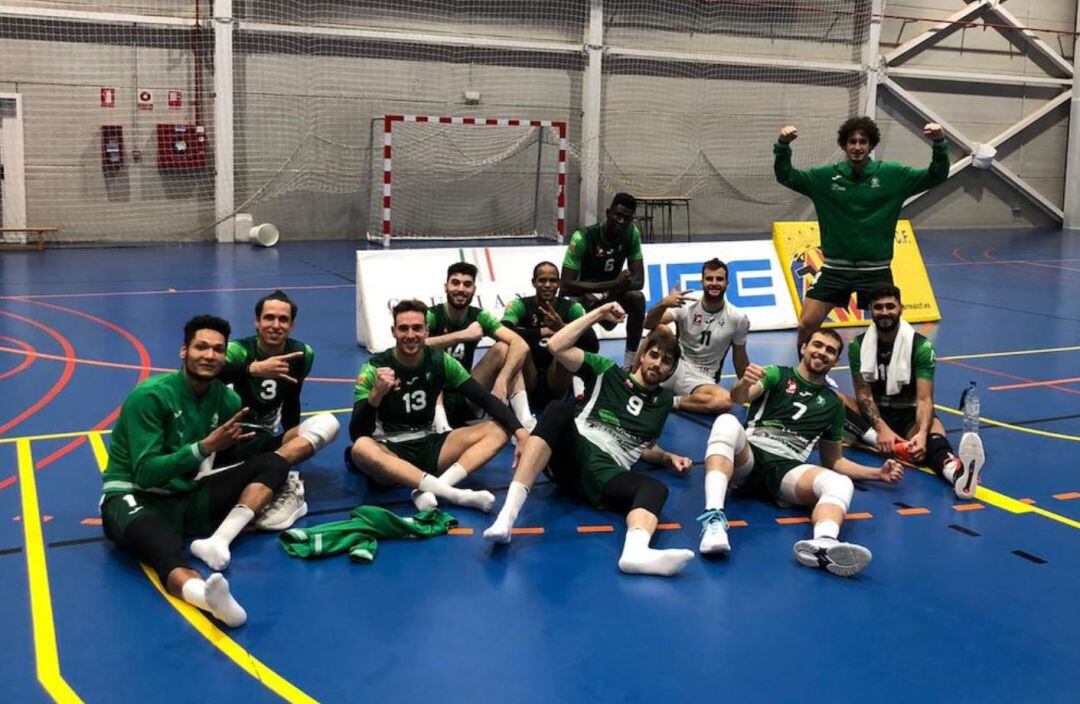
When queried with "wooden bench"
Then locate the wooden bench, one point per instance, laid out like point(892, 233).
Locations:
point(39, 231)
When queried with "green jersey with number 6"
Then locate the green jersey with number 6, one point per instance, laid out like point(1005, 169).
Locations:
point(440, 323)
point(618, 415)
point(271, 401)
point(597, 259)
point(792, 414)
point(407, 412)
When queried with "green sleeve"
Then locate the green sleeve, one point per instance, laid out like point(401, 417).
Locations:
point(597, 364)
point(231, 404)
point(835, 433)
point(145, 421)
point(574, 251)
point(488, 322)
point(924, 361)
point(576, 311)
point(514, 311)
point(919, 180)
point(235, 353)
point(788, 175)
point(456, 375)
point(854, 353)
point(635, 245)
point(771, 378)
point(309, 360)
point(430, 319)
point(365, 382)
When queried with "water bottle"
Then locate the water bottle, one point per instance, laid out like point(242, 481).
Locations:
point(969, 403)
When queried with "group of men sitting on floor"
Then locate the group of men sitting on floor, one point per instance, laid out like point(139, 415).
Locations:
point(191, 456)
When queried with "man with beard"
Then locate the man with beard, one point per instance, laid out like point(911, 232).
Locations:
point(593, 269)
point(706, 329)
point(159, 485)
point(589, 450)
point(457, 327)
point(858, 202)
point(536, 319)
point(394, 441)
point(790, 411)
point(268, 370)
point(892, 368)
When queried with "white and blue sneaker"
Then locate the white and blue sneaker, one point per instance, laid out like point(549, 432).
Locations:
point(972, 458)
point(829, 554)
point(714, 537)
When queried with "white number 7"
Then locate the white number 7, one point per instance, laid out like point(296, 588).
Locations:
point(800, 412)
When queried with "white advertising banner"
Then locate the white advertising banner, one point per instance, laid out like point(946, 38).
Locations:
point(384, 277)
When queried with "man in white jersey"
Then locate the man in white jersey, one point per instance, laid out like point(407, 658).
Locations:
point(706, 329)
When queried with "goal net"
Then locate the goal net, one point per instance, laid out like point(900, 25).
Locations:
point(446, 177)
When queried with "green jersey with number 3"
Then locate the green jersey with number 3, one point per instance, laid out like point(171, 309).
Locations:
point(618, 415)
point(440, 323)
point(792, 414)
point(265, 397)
point(598, 259)
point(407, 412)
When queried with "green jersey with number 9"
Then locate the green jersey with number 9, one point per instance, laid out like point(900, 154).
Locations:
point(792, 414)
point(407, 412)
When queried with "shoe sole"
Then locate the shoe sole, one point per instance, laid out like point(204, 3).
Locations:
point(973, 457)
point(841, 559)
point(714, 548)
point(299, 513)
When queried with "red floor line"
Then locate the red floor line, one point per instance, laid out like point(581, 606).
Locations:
point(1035, 384)
point(28, 350)
point(989, 254)
point(144, 372)
point(169, 292)
point(1004, 375)
point(65, 376)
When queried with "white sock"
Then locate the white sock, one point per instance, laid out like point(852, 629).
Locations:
point(320, 430)
point(501, 530)
point(454, 474)
point(214, 551)
point(482, 500)
point(870, 437)
point(716, 483)
point(425, 500)
point(519, 402)
point(826, 529)
point(442, 425)
point(214, 596)
point(950, 469)
point(578, 386)
point(638, 558)
point(629, 358)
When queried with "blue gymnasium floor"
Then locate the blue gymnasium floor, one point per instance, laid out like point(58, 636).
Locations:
point(975, 605)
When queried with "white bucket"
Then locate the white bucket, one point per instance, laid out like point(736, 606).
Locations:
point(983, 156)
point(266, 234)
point(242, 225)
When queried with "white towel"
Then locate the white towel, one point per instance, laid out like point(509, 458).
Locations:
point(899, 371)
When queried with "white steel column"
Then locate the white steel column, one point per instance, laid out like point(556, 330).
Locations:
point(223, 121)
point(1072, 160)
point(591, 88)
point(872, 58)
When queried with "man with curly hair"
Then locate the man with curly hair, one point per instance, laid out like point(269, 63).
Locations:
point(858, 202)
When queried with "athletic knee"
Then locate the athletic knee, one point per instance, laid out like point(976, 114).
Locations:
point(833, 488)
point(726, 439)
point(633, 301)
point(320, 430)
point(497, 352)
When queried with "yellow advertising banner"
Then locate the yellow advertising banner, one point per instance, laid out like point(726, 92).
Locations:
point(798, 244)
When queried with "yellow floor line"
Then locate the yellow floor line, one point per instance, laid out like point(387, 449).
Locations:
point(1010, 426)
point(232, 650)
point(46, 655)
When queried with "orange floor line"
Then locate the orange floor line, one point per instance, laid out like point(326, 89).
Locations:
point(596, 529)
point(460, 531)
point(913, 511)
point(527, 531)
point(737, 524)
point(669, 526)
point(790, 521)
point(1067, 496)
point(858, 516)
point(91, 521)
point(968, 507)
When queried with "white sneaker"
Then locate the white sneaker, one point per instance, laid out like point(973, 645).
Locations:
point(841, 559)
point(714, 537)
point(287, 506)
point(972, 459)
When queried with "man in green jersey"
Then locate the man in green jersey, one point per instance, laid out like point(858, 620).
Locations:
point(160, 483)
point(536, 319)
point(892, 368)
point(590, 449)
point(858, 202)
point(268, 370)
point(456, 327)
point(394, 441)
point(791, 409)
point(593, 269)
